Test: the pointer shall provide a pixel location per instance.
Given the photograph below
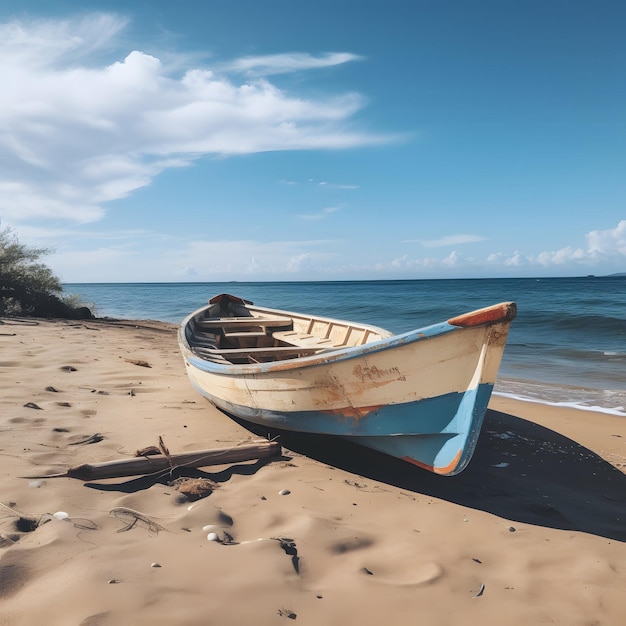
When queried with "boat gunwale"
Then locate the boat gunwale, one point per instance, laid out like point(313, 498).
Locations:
point(326, 355)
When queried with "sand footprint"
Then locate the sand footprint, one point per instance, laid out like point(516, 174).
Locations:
point(407, 576)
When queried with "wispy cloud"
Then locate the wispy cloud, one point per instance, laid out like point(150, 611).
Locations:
point(265, 65)
point(337, 186)
point(321, 184)
point(55, 43)
point(448, 240)
point(321, 215)
point(603, 247)
point(76, 132)
point(170, 258)
point(252, 258)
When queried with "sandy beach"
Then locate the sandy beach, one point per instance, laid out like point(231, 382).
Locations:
point(533, 532)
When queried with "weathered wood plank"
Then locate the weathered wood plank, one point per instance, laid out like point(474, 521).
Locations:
point(233, 322)
point(272, 351)
point(157, 462)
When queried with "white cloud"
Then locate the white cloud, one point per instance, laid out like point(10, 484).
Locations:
point(76, 133)
point(610, 242)
point(83, 265)
point(318, 216)
point(562, 256)
point(288, 62)
point(451, 260)
point(514, 261)
point(46, 43)
point(448, 240)
point(336, 186)
point(151, 256)
point(220, 260)
point(606, 249)
point(602, 246)
point(301, 262)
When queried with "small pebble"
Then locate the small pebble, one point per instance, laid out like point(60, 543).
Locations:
point(114, 581)
point(211, 528)
point(155, 565)
point(60, 515)
point(213, 537)
point(284, 492)
point(511, 529)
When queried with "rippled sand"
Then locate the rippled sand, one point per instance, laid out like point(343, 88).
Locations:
point(533, 532)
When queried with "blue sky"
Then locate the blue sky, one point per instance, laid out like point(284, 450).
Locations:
point(329, 140)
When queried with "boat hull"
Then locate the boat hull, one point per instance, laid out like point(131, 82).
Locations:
point(420, 396)
point(447, 452)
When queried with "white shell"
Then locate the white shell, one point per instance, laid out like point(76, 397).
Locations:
point(284, 492)
point(60, 515)
point(211, 528)
point(212, 537)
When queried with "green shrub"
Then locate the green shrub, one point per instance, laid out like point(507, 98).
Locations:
point(27, 286)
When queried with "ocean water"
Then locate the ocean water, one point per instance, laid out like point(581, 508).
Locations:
point(567, 344)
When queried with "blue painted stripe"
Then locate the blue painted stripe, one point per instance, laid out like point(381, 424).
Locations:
point(430, 431)
point(440, 450)
point(444, 414)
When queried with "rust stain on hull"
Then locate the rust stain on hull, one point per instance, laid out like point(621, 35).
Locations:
point(353, 412)
point(374, 376)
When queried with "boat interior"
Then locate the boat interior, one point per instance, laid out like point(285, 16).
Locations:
point(232, 331)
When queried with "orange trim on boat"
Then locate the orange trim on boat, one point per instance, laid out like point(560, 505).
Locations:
point(437, 470)
point(503, 312)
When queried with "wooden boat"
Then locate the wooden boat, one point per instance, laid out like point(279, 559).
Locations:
point(420, 396)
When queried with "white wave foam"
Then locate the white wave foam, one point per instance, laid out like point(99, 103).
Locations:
point(620, 410)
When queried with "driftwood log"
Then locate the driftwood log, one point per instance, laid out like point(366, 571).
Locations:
point(158, 462)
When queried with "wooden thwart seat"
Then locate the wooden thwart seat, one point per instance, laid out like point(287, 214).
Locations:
point(210, 335)
point(225, 323)
point(302, 340)
point(223, 355)
point(271, 351)
point(246, 334)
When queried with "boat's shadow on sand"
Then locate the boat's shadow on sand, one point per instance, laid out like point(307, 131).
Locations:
point(520, 471)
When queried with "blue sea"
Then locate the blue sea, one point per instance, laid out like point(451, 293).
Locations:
point(567, 345)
